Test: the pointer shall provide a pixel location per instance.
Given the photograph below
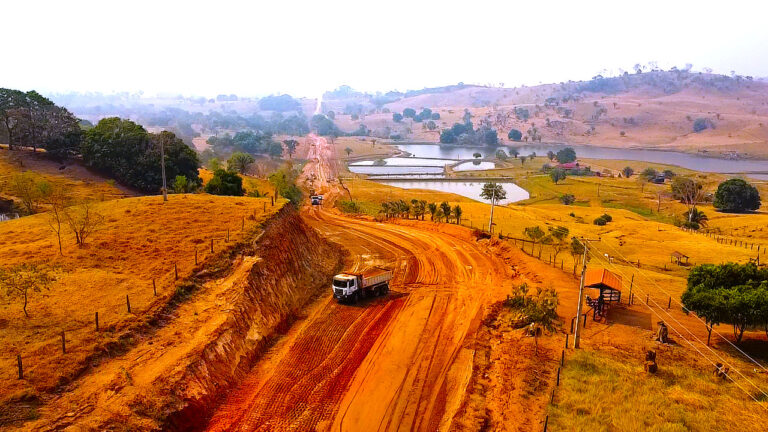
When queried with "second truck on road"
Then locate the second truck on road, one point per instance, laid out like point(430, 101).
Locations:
point(353, 286)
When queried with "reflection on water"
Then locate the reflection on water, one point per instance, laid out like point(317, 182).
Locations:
point(469, 189)
point(411, 161)
point(369, 169)
point(685, 160)
point(474, 166)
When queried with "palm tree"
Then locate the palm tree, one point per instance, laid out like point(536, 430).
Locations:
point(432, 207)
point(446, 208)
point(457, 214)
point(696, 218)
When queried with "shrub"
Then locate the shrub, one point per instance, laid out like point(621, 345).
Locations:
point(225, 183)
point(566, 155)
point(397, 117)
point(607, 217)
point(701, 124)
point(567, 199)
point(409, 113)
point(600, 221)
point(447, 137)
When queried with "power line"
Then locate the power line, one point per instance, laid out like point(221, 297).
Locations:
point(691, 343)
point(687, 310)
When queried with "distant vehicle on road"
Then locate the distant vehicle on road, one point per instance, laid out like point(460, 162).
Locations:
point(354, 286)
point(316, 199)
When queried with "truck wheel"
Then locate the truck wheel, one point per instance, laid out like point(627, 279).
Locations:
point(385, 289)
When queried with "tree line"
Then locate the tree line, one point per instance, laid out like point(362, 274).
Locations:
point(438, 212)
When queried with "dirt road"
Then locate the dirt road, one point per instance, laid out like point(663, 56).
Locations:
point(395, 363)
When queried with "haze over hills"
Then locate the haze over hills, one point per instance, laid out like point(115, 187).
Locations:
point(648, 108)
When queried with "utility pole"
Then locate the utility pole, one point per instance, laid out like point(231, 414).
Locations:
point(162, 166)
point(493, 201)
point(577, 328)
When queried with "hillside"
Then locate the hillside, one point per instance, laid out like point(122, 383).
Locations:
point(653, 109)
point(143, 244)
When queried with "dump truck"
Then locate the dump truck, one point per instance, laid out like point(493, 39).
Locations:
point(354, 286)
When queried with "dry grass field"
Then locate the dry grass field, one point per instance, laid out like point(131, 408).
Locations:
point(141, 240)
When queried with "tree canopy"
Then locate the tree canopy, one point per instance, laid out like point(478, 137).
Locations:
point(566, 155)
point(225, 183)
point(736, 195)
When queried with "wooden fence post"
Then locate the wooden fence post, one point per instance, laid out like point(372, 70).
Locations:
point(562, 359)
point(97, 321)
point(546, 420)
point(154, 287)
point(128, 303)
point(670, 302)
point(211, 245)
point(21, 367)
point(566, 341)
point(558, 377)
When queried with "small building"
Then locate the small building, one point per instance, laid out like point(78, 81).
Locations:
point(569, 166)
point(659, 179)
point(606, 282)
point(678, 258)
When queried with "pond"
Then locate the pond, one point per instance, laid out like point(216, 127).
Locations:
point(474, 166)
point(407, 161)
point(685, 160)
point(383, 170)
point(469, 189)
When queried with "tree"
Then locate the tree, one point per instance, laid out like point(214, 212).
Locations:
point(279, 103)
point(514, 152)
point(649, 174)
point(290, 145)
point(522, 160)
point(557, 174)
point(688, 191)
point(431, 125)
point(348, 151)
point(447, 136)
point(214, 164)
point(432, 208)
point(490, 137)
point(446, 208)
point(180, 184)
point(501, 155)
point(566, 155)
point(284, 181)
point(577, 251)
point(457, 212)
point(695, 219)
point(534, 233)
point(515, 135)
point(735, 294)
point(701, 124)
point(58, 199)
point(83, 221)
point(736, 195)
point(324, 126)
point(28, 190)
point(493, 192)
point(239, 162)
point(627, 172)
point(550, 155)
point(477, 155)
point(24, 279)
point(397, 117)
point(542, 312)
point(558, 237)
point(331, 115)
point(225, 183)
point(409, 113)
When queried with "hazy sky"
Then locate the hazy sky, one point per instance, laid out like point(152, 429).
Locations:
point(306, 47)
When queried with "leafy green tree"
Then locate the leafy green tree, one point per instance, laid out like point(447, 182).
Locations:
point(331, 115)
point(348, 151)
point(515, 135)
point(409, 113)
point(477, 155)
point(567, 199)
point(180, 184)
point(514, 152)
point(279, 103)
point(490, 137)
point(550, 155)
point(649, 174)
point(225, 183)
point(284, 181)
point(536, 234)
point(239, 162)
point(493, 192)
point(566, 155)
point(431, 125)
point(324, 126)
point(501, 155)
point(689, 191)
point(447, 137)
point(736, 195)
point(542, 312)
point(701, 124)
point(695, 219)
point(397, 117)
point(558, 239)
point(557, 174)
point(577, 251)
point(21, 280)
point(214, 164)
point(627, 172)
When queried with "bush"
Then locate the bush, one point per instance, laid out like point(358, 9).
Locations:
point(701, 124)
point(225, 183)
point(736, 195)
point(607, 217)
point(397, 117)
point(447, 137)
point(349, 207)
point(600, 221)
point(515, 135)
point(568, 199)
point(409, 113)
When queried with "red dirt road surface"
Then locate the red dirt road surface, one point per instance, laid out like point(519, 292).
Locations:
point(399, 362)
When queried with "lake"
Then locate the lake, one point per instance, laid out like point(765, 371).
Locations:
point(685, 160)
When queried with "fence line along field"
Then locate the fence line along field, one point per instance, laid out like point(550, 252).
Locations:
point(142, 243)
